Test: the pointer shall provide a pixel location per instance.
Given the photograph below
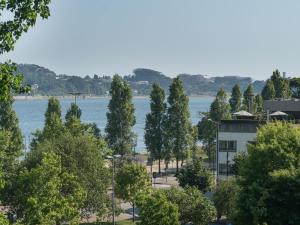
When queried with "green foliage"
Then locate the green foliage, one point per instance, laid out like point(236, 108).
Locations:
point(53, 123)
point(24, 16)
point(268, 92)
point(73, 111)
point(10, 125)
point(8, 119)
point(10, 81)
point(177, 123)
point(193, 206)
point(236, 99)
point(248, 100)
point(295, 87)
point(224, 198)
point(154, 132)
point(4, 143)
point(82, 156)
point(155, 209)
point(207, 135)
point(196, 175)
point(258, 104)
point(120, 118)
point(194, 141)
point(81, 149)
point(281, 85)
point(284, 197)
point(238, 160)
point(53, 84)
point(47, 194)
point(76, 127)
point(257, 108)
point(3, 220)
point(219, 108)
point(53, 108)
point(268, 177)
point(131, 180)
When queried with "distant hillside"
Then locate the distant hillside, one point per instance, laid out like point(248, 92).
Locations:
point(47, 82)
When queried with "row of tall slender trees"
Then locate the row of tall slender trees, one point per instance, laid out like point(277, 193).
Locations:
point(168, 129)
point(276, 86)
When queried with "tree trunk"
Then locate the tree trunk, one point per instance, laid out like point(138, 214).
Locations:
point(177, 164)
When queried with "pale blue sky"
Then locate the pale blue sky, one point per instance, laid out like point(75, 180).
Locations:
point(214, 37)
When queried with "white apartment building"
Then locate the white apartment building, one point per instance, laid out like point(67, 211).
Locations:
point(233, 137)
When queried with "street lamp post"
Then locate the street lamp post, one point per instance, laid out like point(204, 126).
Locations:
point(112, 158)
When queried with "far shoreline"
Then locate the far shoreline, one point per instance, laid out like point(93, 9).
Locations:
point(44, 97)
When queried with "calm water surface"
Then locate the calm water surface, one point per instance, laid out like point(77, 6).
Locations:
point(31, 114)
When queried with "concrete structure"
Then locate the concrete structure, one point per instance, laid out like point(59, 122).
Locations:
point(233, 137)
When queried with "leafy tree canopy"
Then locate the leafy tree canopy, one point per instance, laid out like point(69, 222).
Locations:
point(235, 100)
point(268, 92)
point(196, 175)
point(281, 85)
point(10, 81)
point(81, 155)
point(248, 100)
point(154, 132)
point(73, 111)
point(193, 206)
point(224, 198)
point(47, 194)
point(177, 123)
point(206, 130)
point(155, 209)
point(24, 15)
point(273, 160)
point(131, 180)
point(219, 108)
point(120, 117)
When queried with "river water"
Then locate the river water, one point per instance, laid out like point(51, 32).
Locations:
point(31, 114)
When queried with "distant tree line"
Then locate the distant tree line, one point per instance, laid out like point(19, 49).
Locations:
point(46, 82)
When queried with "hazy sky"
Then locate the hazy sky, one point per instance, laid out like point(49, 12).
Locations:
point(214, 37)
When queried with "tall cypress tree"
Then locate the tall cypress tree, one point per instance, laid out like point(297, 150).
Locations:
point(154, 124)
point(236, 99)
point(248, 98)
point(9, 123)
point(120, 118)
point(73, 111)
point(53, 122)
point(268, 92)
point(178, 124)
point(281, 85)
point(53, 126)
point(258, 104)
point(73, 123)
point(219, 108)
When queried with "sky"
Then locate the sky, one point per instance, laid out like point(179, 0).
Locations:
point(209, 37)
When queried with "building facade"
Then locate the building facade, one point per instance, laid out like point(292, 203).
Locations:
point(233, 137)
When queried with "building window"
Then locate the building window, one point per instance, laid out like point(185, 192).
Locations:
point(223, 167)
point(227, 146)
